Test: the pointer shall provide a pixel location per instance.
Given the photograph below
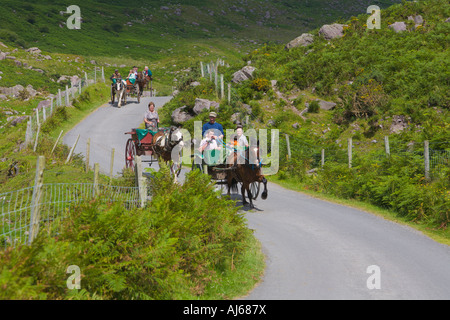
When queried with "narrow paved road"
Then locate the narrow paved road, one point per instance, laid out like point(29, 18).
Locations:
point(315, 249)
point(106, 129)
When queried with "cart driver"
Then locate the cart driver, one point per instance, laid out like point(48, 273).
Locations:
point(116, 76)
point(151, 117)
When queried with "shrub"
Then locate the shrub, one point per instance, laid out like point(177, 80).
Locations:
point(314, 107)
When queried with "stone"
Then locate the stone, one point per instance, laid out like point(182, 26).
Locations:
point(44, 104)
point(296, 125)
point(31, 91)
point(16, 120)
point(399, 123)
point(34, 50)
point(418, 20)
point(304, 40)
point(245, 73)
point(2, 55)
point(180, 116)
point(398, 26)
point(447, 20)
point(332, 31)
point(202, 104)
point(326, 105)
point(195, 84)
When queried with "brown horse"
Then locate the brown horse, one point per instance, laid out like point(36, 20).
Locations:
point(246, 173)
point(167, 146)
point(142, 81)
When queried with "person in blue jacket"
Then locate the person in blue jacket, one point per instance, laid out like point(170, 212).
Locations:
point(212, 124)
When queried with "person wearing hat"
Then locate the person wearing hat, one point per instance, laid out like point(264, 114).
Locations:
point(116, 75)
point(212, 124)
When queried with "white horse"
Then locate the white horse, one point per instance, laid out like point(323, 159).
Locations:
point(168, 147)
point(119, 88)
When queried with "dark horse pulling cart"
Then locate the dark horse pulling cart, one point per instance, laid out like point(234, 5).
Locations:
point(247, 175)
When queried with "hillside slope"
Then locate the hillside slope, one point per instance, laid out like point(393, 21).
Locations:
point(154, 30)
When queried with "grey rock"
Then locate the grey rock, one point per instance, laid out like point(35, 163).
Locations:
point(418, 20)
point(2, 55)
point(398, 26)
point(332, 31)
point(245, 73)
point(3, 97)
point(180, 116)
point(447, 20)
point(296, 125)
point(195, 84)
point(16, 120)
point(399, 123)
point(44, 104)
point(304, 40)
point(326, 105)
point(34, 50)
point(202, 104)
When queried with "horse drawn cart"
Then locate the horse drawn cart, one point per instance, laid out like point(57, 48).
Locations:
point(225, 174)
point(140, 143)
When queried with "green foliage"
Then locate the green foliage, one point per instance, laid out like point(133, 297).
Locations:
point(171, 249)
point(314, 107)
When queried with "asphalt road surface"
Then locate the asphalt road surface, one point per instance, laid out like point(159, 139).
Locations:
point(314, 249)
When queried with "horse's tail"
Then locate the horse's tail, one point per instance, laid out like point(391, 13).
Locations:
point(234, 185)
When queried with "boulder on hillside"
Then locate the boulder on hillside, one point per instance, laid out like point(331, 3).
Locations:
point(34, 50)
point(44, 104)
point(399, 123)
point(2, 55)
point(245, 73)
point(180, 116)
point(13, 91)
point(332, 31)
point(447, 20)
point(304, 40)
point(398, 26)
point(418, 20)
point(202, 104)
point(326, 105)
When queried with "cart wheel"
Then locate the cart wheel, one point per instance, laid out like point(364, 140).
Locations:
point(254, 189)
point(130, 154)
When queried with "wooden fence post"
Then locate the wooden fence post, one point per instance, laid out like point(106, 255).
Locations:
point(323, 157)
point(67, 96)
point(28, 133)
point(201, 69)
point(71, 150)
point(229, 93)
point(288, 147)
point(36, 199)
point(140, 182)
point(350, 147)
point(386, 145)
point(88, 150)
point(111, 166)
point(222, 91)
point(427, 159)
point(96, 172)
point(37, 137)
point(57, 140)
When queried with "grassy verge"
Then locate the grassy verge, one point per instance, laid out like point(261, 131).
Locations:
point(441, 235)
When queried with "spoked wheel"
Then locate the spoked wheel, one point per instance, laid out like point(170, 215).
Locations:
point(130, 154)
point(254, 189)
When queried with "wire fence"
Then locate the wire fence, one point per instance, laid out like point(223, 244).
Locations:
point(57, 200)
point(63, 98)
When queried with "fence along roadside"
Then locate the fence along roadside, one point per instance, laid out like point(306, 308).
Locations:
point(26, 211)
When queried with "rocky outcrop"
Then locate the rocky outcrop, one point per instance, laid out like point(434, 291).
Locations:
point(326, 105)
point(245, 73)
point(418, 20)
point(202, 104)
point(332, 31)
point(398, 26)
point(399, 123)
point(304, 40)
point(180, 116)
point(34, 50)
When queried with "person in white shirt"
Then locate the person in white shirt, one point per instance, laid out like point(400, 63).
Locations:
point(210, 145)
